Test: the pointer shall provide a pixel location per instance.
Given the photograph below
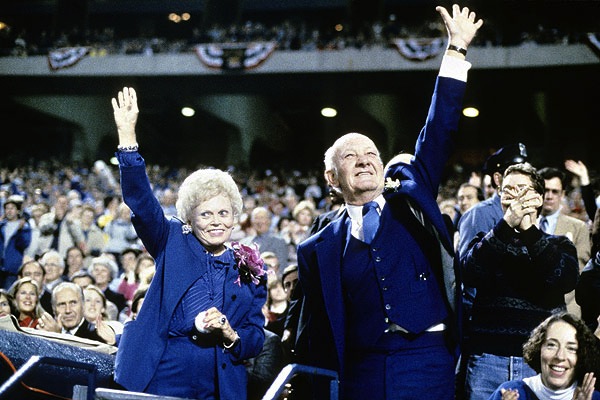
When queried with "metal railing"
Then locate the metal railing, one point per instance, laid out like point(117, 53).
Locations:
point(288, 372)
point(35, 361)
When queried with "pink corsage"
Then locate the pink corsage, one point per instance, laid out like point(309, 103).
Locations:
point(250, 266)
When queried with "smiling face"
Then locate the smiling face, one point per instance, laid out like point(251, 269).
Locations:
point(26, 298)
point(559, 355)
point(212, 222)
point(93, 305)
point(358, 171)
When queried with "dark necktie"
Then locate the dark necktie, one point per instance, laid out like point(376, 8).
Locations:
point(544, 224)
point(370, 221)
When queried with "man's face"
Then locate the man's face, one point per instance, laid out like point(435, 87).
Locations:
point(513, 186)
point(68, 308)
point(34, 271)
point(553, 196)
point(11, 212)
point(467, 198)
point(261, 222)
point(289, 283)
point(359, 170)
point(53, 268)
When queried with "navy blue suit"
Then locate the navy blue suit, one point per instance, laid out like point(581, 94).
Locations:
point(180, 261)
point(414, 301)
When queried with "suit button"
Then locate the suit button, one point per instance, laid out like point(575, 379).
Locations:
point(194, 337)
point(388, 307)
point(223, 365)
point(385, 288)
point(382, 278)
point(377, 259)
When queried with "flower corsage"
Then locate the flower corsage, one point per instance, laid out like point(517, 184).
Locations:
point(391, 185)
point(251, 268)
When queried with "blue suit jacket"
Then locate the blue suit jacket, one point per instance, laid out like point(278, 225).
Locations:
point(320, 256)
point(180, 260)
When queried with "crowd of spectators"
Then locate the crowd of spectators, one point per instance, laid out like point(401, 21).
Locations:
point(290, 34)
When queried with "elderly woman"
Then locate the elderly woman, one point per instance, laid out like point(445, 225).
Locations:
point(565, 354)
point(202, 313)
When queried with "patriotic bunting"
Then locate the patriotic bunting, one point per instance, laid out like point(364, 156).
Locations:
point(420, 49)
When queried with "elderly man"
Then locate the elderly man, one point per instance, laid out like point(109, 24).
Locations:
point(382, 300)
point(67, 302)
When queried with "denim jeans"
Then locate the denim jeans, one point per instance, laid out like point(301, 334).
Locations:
point(486, 372)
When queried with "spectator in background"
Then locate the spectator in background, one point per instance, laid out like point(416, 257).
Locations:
point(579, 169)
point(68, 304)
point(274, 269)
point(264, 238)
point(565, 355)
point(33, 269)
point(555, 222)
point(127, 282)
point(121, 234)
point(83, 279)
point(59, 230)
point(103, 269)
point(6, 303)
point(37, 210)
point(94, 308)
point(485, 215)
point(15, 238)
point(521, 275)
point(74, 262)
point(26, 295)
point(276, 307)
point(95, 238)
point(467, 196)
point(54, 265)
point(587, 292)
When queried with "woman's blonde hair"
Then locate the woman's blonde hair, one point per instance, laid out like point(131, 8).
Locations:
point(203, 185)
point(38, 311)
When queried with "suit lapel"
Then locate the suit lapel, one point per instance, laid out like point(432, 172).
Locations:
point(329, 255)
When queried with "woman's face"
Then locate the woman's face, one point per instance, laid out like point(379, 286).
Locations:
point(559, 355)
point(4, 306)
point(93, 306)
point(304, 217)
point(26, 298)
point(277, 293)
point(212, 223)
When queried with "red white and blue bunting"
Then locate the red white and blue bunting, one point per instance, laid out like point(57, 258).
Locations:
point(66, 57)
point(420, 49)
point(234, 56)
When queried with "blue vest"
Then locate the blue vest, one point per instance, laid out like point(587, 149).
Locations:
point(392, 280)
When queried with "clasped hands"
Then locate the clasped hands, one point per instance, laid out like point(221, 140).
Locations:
point(521, 210)
point(212, 320)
